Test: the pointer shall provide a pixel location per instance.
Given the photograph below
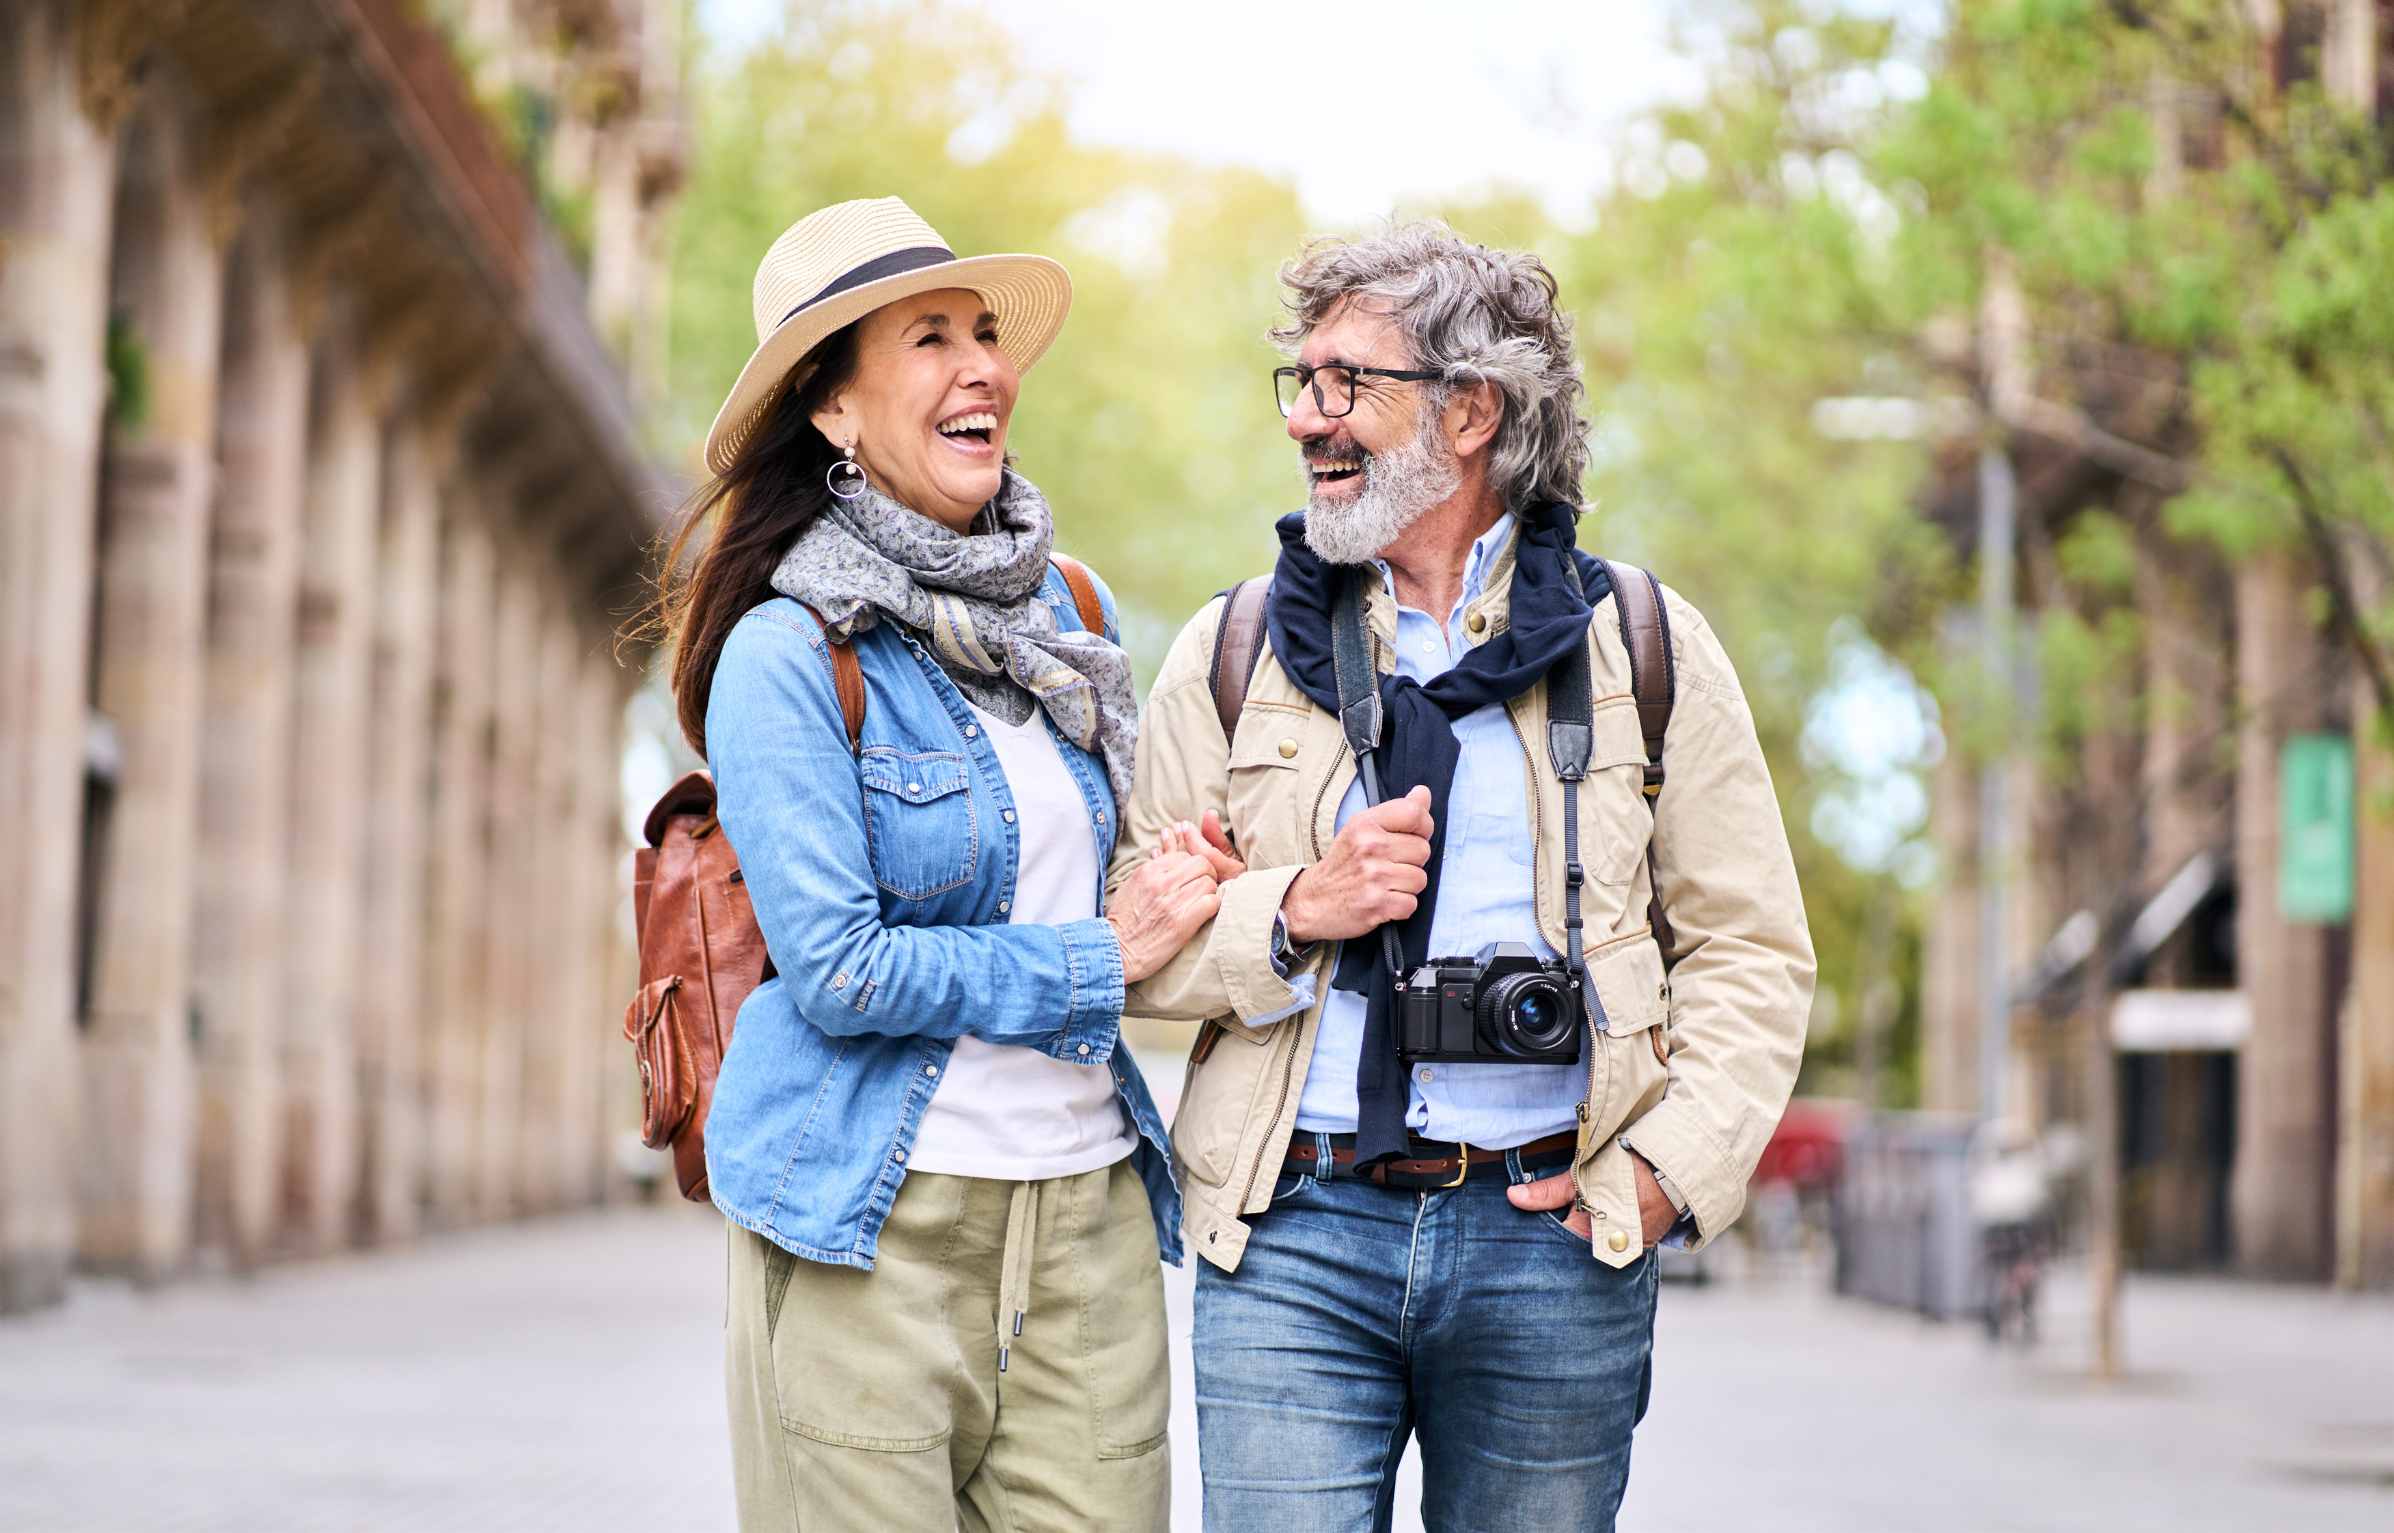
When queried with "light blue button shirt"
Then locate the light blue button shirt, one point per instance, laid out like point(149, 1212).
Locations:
point(1485, 894)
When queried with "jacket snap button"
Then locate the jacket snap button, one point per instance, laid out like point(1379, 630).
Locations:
point(1288, 750)
point(930, 1069)
point(1477, 622)
point(1009, 816)
point(914, 787)
point(1083, 1050)
point(1618, 1240)
point(1004, 906)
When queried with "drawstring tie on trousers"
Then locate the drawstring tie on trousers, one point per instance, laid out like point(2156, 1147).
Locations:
point(1014, 1271)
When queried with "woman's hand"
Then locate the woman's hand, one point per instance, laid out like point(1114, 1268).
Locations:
point(1159, 908)
point(1209, 841)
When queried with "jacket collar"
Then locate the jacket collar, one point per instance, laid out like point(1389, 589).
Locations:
point(1487, 587)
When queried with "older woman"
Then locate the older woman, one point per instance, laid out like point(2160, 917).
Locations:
point(946, 1181)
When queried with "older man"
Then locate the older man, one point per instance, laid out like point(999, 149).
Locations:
point(1428, 1196)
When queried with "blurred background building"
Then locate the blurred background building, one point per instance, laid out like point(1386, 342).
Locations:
point(2191, 904)
point(324, 326)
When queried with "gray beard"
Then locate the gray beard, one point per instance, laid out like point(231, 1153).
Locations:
point(1399, 488)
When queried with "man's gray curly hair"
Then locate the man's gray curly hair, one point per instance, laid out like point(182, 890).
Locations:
point(1477, 314)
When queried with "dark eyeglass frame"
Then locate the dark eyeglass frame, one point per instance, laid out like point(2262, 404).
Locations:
point(1307, 379)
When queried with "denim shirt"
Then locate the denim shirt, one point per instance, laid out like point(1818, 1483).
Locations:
point(882, 882)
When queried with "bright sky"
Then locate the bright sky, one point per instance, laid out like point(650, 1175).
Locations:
point(1435, 97)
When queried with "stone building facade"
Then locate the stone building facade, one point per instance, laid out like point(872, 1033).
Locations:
point(321, 494)
point(2252, 1047)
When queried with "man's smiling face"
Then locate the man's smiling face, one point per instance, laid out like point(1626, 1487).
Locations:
point(1372, 472)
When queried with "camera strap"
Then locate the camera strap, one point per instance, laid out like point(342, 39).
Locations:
point(1361, 717)
point(1570, 741)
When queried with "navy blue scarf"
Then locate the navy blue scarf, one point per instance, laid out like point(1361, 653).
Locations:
point(1549, 615)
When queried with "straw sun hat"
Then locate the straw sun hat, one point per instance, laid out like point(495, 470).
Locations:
point(835, 266)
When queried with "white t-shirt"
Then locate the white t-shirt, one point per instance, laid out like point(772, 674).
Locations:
point(1008, 1111)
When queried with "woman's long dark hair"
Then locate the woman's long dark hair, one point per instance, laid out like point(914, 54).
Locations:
point(772, 492)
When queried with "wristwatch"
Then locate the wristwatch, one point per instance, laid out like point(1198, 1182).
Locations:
point(1287, 957)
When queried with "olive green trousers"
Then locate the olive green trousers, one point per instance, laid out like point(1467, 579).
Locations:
point(1002, 1367)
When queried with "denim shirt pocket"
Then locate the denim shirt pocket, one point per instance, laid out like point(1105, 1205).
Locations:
point(920, 824)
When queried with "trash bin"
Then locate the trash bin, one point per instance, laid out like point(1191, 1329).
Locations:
point(1901, 1215)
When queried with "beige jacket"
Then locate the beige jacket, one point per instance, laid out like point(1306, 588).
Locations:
point(1699, 1052)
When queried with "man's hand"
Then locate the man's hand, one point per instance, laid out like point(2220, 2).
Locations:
point(1655, 1213)
point(1374, 873)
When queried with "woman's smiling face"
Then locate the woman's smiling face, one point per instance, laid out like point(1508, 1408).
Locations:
point(928, 407)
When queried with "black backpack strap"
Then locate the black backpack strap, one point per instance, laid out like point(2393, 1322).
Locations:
point(1238, 648)
point(1646, 635)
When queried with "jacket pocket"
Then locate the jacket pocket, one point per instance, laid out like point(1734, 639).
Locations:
point(1270, 758)
point(1629, 984)
point(920, 824)
point(1225, 1065)
point(1616, 822)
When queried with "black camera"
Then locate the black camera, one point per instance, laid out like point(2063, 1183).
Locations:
point(1503, 1003)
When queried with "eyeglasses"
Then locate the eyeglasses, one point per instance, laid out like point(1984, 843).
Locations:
point(1333, 384)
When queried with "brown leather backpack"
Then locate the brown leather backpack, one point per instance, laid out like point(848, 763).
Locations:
point(700, 950)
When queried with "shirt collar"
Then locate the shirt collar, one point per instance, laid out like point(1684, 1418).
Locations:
point(1484, 550)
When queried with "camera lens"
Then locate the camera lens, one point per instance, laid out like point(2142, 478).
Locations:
point(1526, 1014)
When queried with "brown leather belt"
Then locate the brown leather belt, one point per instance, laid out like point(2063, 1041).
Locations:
point(1442, 1163)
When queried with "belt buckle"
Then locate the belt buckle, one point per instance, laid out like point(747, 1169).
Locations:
point(1462, 1170)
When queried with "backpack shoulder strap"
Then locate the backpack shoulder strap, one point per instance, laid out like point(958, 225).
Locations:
point(1238, 648)
point(1646, 635)
point(1084, 592)
point(847, 679)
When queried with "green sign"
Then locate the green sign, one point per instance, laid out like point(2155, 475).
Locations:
point(2315, 829)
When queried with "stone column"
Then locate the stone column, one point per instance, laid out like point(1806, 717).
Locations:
point(618, 963)
point(390, 953)
point(588, 833)
point(511, 884)
point(245, 757)
point(455, 993)
point(537, 746)
point(615, 233)
point(2279, 1192)
point(2188, 687)
point(2365, 1155)
point(158, 479)
point(328, 802)
point(557, 1052)
point(57, 201)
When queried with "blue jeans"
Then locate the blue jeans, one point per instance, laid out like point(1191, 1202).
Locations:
point(1360, 1314)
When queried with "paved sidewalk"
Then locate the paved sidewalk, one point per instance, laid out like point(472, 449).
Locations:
point(2246, 1409)
point(562, 1375)
point(565, 1375)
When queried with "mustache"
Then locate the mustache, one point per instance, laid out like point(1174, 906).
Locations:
point(1331, 447)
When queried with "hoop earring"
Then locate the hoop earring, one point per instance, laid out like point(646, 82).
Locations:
point(844, 479)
